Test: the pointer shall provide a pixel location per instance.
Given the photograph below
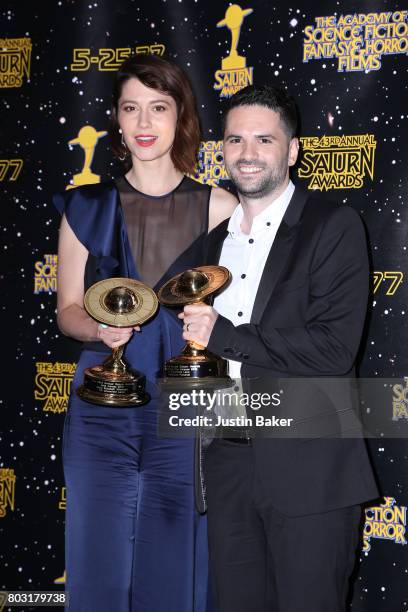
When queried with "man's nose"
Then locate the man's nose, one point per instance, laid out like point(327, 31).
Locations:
point(249, 150)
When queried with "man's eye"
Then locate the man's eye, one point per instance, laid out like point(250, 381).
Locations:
point(266, 140)
point(235, 140)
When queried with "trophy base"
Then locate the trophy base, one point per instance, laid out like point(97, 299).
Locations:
point(84, 178)
point(185, 384)
point(233, 62)
point(197, 367)
point(107, 387)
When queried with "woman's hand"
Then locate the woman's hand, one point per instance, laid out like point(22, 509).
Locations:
point(115, 336)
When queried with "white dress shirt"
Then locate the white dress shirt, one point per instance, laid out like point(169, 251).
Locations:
point(245, 256)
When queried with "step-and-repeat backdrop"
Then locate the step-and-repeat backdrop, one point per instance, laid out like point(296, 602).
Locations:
point(345, 62)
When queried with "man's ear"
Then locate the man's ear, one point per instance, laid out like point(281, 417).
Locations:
point(293, 151)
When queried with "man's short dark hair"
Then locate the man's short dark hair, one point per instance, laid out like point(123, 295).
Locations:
point(275, 98)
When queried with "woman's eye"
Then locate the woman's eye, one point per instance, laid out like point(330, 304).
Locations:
point(128, 108)
point(159, 107)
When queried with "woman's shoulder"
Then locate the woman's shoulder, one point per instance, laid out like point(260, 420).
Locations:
point(223, 196)
point(88, 191)
point(222, 205)
point(190, 183)
point(86, 196)
point(91, 212)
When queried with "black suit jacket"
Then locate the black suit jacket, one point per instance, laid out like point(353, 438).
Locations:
point(306, 322)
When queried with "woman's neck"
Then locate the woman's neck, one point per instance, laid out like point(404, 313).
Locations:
point(156, 177)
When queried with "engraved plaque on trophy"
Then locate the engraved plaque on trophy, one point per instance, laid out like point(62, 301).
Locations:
point(118, 302)
point(195, 365)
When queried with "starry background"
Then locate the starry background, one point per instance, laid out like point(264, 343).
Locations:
point(37, 121)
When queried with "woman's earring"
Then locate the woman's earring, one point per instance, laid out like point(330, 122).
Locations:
point(126, 153)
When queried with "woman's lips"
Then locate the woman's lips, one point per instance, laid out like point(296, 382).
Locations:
point(145, 140)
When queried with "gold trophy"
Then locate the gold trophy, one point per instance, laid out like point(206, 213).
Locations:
point(87, 139)
point(233, 19)
point(196, 365)
point(119, 302)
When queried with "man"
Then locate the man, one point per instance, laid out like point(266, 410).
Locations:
point(284, 514)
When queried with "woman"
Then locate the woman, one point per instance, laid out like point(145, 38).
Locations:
point(134, 541)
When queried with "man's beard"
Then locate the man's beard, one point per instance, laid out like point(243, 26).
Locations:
point(260, 186)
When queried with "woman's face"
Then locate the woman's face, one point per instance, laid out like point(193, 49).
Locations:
point(148, 120)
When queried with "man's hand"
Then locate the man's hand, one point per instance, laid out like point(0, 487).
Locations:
point(199, 321)
point(115, 336)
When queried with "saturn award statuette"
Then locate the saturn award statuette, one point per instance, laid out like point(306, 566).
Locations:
point(118, 302)
point(195, 365)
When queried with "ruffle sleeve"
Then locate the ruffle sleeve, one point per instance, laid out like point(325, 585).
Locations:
point(94, 215)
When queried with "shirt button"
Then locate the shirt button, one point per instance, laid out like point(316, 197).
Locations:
point(251, 240)
point(240, 313)
point(243, 275)
point(268, 223)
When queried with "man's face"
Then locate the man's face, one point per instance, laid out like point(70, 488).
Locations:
point(257, 150)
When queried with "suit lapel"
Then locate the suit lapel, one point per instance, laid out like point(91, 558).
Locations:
point(274, 265)
point(215, 242)
point(279, 253)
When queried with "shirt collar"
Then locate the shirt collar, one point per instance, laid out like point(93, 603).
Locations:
point(269, 218)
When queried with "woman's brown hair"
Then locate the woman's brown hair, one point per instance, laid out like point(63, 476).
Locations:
point(166, 77)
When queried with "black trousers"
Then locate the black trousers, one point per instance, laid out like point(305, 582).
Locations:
point(263, 561)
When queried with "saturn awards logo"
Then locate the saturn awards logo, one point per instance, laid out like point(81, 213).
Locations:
point(53, 385)
point(87, 139)
point(234, 73)
point(7, 490)
point(15, 61)
point(337, 162)
point(385, 522)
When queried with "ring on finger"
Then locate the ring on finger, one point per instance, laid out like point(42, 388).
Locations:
point(187, 326)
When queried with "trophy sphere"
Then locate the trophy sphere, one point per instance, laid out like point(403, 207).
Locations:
point(120, 300)
point(191, 283)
